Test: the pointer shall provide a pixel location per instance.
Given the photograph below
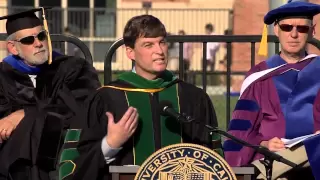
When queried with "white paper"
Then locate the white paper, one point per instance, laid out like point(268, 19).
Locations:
point(291, 142)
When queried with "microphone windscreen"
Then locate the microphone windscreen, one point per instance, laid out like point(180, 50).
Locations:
point(163, 105)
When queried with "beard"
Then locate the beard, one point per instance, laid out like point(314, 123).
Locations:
point(37, 57)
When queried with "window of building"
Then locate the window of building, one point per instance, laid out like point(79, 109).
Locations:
point(79, 3)
point(50, 3)
point(29, 3)
point(100, 3)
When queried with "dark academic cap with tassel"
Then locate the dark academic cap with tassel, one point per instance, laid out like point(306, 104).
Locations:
point(26, 20)
point(293, 9)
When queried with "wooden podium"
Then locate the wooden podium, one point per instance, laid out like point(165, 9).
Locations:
point(129, 172)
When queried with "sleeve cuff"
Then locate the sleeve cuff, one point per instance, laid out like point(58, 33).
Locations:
point(107, 151)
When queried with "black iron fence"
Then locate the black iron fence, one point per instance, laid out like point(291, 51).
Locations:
point(204, 39)
point(98, 28)
point(223, 114)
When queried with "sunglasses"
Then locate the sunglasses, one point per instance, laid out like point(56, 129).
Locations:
point(300, 28)
point(30, 39)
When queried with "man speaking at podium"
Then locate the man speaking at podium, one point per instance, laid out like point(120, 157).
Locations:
point(280, 96)
point(133, 127)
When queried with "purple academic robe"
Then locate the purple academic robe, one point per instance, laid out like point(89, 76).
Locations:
point(284, 103)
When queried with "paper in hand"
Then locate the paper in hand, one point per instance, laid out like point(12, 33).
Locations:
point(292, 142)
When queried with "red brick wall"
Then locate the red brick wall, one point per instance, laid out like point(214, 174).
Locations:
point(248, 20)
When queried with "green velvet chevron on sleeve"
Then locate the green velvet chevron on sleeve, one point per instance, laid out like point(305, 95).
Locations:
point(217, 145)
point(66, 164)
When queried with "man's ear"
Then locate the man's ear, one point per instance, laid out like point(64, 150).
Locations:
point(130, 53)
point(12, 48)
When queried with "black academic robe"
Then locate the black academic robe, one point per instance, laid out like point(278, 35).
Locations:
point(32, 150)
point(91, 163)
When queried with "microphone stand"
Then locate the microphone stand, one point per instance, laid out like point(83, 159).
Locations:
point(270, 156)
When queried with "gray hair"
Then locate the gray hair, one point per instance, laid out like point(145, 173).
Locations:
point(11, 37)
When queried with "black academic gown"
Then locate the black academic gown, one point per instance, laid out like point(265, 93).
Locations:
point(32, 149)
point(91, 163)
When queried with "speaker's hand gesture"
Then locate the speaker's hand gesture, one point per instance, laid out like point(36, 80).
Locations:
point(120, 132)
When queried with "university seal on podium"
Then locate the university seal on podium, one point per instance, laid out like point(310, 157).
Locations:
point(185, 162)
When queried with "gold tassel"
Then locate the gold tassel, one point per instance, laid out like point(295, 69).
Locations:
point(49, 38)
point(263, 49)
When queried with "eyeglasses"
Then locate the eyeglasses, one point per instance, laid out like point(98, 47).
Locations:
point(41, 36)
point(300, 28)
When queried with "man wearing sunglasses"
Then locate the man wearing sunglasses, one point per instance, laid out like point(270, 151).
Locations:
point(39, 98)
point(279, 96)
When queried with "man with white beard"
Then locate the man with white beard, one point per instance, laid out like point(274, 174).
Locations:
point(41, 94)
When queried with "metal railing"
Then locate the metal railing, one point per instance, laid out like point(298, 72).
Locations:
point(98, 28)
point(228, 39)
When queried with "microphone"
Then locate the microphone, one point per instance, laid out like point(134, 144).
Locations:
point(260, 149)
point(166, 109)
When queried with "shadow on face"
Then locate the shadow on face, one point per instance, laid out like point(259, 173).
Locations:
point(293, 34)
point(31, 45)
